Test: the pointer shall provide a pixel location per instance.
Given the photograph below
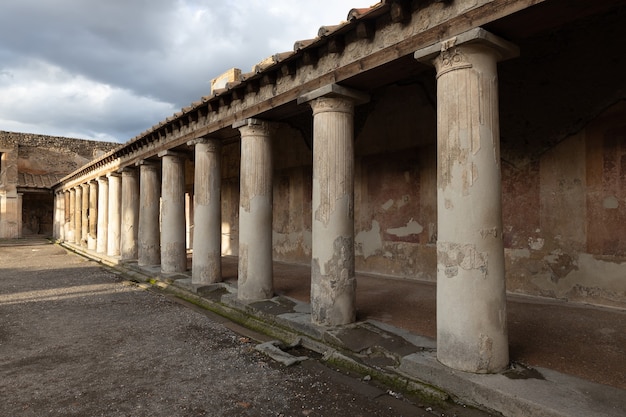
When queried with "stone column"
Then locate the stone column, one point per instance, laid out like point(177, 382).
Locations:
point(67, 216)
point(84, 232)
point(56, 234)
point(93, 215)
point(18, 214)
point(103, 215)
point(255, 279)
point(207, 220)
point(78, 213)
point(149, 231)
point(71, 236)
point(471, 299)
point(173, 235)
point(333, 285)
point(115, 215)
point(130, 214)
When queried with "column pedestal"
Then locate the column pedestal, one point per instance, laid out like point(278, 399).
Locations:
point(207, 219)
point(471, 298)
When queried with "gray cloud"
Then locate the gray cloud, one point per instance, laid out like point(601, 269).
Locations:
point(110, 69)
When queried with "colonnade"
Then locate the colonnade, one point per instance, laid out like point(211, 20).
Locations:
point(471, 311)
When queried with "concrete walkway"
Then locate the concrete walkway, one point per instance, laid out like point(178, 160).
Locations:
point(568, 359)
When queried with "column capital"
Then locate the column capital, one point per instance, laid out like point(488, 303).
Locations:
point(169, 152)
point(146, 162)
point(85, 185)
point(478, 36)
point(127, 170)
point(252, 126)
point(335, 91)
point(113, 174)
point(212, 145)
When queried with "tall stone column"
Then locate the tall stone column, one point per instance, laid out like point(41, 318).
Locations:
point(115, 215)
point(93, 215)
point(71, 235)
point(333, 284)
point(149, 230)
point(130, 214)
point(84, 231)
point(67, 216)
point(471, 298)
point(78, 213)
point(173, 235)
point(255, 279)
point(56, 232)
point(207, 220)
point(103, 215)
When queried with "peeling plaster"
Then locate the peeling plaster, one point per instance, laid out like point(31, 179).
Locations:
point(611, 202)
point(536, 244)
point(411, 228)
point(453, 256)
point(387, 205)
point(369, 242)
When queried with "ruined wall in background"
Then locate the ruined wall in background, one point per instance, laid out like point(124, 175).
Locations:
point(31, 212)
point(565, 216)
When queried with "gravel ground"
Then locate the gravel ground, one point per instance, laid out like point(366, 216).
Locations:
point(75, 340)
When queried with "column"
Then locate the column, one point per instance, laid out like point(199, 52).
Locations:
point(67, 216)
point(84, 232)
point(173, 236)
point(333, 284)
point(149, 231)
point(103, 215)
point(255, 277)
point(130, 214)
point(93, 215)
point(57, 217)
point(78, 213)
point(471, 298)
point(72, 217)
point(207, 219)
point(115, 217)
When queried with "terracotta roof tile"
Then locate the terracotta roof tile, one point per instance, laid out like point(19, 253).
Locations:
point(27, 180)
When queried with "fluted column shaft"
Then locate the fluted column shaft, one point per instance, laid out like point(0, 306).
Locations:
point(471, 299)
point(149, 231)
point(103, 215)
point(207, 220)
point(93, 215)
point(333, 285)
point(71, 235)
point(255, 280)
point(173, 235)
point(130, 214)
point(84, 230)
point(115, 217)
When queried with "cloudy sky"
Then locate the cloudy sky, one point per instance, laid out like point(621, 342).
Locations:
point(110, 69)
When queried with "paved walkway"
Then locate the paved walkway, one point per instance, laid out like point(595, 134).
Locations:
point(76, 340)
point(576, 349)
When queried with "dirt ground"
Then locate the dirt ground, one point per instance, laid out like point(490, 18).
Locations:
point(76, 340)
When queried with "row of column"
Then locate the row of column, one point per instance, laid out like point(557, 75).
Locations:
point(471, 310)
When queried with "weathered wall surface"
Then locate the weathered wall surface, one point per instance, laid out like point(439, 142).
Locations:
point(37, 155)
point(566, 221)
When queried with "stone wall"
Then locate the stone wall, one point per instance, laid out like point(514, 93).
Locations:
point(25, 211)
